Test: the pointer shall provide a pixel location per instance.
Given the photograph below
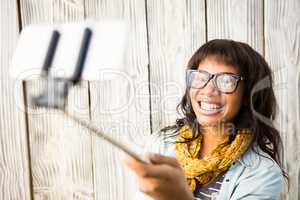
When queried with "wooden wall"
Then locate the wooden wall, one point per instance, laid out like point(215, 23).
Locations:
point(45, 156)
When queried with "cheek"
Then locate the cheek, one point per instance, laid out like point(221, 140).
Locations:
point(234, 103)
point(192, 94)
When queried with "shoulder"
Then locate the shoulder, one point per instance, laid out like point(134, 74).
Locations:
point(261, 176)
point(256, 160)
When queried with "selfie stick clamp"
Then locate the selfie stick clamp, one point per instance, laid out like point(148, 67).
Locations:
point(56, 91)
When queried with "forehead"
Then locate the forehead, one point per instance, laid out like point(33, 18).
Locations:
point(213, 66)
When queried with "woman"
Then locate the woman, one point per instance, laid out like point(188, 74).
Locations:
point(226, 145)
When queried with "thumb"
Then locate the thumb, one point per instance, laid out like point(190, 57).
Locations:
point(161, 159)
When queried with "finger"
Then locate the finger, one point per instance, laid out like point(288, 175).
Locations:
point(159, 171)
point(148, 170)
point(161, 159)
point(149, 185)
point(135, 165)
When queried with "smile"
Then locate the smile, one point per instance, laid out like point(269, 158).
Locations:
point(210, 108)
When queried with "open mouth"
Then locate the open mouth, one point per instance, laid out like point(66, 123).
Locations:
point(210, 108)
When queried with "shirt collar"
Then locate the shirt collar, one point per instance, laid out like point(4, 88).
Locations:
point(250, 158)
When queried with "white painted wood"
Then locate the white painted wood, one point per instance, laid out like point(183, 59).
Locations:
point(61, 156)
point(121, 107)
point(282, 39)
point(14, 159)
point(69, 164)
point(176, 29)
point(36, 11)
point(237, 20)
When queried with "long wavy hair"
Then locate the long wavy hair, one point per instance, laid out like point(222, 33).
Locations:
point(259, 111)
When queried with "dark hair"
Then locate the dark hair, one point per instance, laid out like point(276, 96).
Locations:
point(259, 103)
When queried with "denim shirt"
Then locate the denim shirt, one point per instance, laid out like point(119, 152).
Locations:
point(252, 177)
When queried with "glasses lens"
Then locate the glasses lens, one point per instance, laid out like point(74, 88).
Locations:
point(226, 83)
point(198, 79)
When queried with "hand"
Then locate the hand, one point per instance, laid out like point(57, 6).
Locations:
point(162, 180)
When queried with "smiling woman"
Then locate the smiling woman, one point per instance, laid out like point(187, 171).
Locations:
point(223, 149)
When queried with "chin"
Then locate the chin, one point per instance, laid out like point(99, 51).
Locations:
point(207, 121)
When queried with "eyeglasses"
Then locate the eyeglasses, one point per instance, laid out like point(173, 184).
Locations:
point(225, 82)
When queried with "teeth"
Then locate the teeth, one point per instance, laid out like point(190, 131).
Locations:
point(209, 106)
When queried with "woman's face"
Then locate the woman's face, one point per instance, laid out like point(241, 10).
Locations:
point(211, 106)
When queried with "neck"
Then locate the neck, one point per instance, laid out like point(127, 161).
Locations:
point(212, 137)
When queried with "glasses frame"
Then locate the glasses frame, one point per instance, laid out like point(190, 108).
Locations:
point(213, 77)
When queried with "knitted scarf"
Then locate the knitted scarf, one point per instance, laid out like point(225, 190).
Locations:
point(206, 169)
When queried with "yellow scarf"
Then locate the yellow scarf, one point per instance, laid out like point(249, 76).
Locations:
point(221, 158)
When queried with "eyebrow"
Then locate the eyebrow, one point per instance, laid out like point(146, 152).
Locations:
point(225, 72)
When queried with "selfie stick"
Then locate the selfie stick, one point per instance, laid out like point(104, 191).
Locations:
point(57, 89)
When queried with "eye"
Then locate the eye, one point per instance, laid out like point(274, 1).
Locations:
point(198, 79)
point(201, 77)
point(226, 81)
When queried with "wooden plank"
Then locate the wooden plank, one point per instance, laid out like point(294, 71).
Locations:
point(176, 29)
point(237, 20)
point(121, 107)
point(282, 34)
point(14, 159)
point(60, 150)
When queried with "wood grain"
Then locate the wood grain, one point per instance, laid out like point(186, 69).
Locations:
point(237, 20)
point(176, 29)
point(14, 159)
point(60, 150)
point(282, 34)
point(120, 107)
point(65, 161)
